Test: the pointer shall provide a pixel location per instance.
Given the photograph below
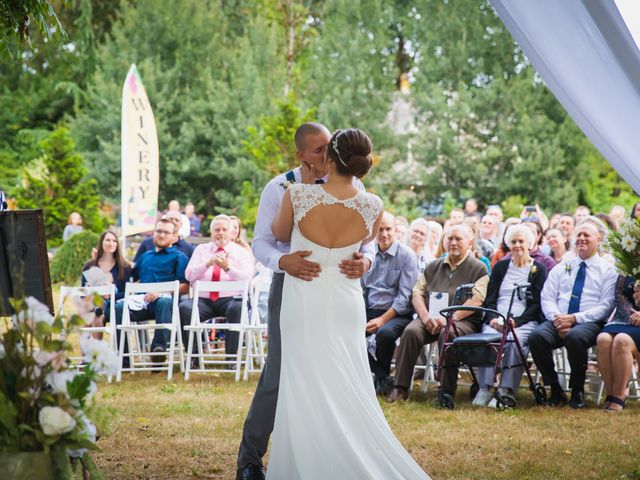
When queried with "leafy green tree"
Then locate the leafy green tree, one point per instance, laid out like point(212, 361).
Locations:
point(16, 18)
point(57, 182)
point(209, 74)
point(44, 80)
point(71, 256)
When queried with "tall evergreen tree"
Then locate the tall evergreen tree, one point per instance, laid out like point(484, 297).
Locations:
point(57, 182)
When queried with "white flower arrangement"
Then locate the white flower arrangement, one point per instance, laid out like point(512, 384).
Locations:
point(624, 244)
point(42, 398)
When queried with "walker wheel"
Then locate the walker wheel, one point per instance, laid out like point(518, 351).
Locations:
point(446, 400)
point(473, 390)
point(505, 402)
point(540, 394)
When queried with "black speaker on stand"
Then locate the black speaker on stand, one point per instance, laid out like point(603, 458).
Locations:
point(24, 264)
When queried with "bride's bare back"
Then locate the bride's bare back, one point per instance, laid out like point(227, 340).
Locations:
point(331, 221)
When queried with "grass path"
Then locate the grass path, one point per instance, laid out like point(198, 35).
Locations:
point(154, 429)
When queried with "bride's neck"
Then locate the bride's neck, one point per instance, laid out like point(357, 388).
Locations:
point(337, 179)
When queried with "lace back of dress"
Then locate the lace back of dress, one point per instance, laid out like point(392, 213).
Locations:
point(305, 197)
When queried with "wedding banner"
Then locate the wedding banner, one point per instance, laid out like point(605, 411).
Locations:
point(584, 52)
point(140, 173)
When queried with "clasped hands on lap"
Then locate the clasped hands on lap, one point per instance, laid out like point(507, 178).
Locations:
point(563, 323)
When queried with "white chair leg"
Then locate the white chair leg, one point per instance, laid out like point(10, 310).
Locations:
point(172, 341)
point(189, 356)
point(239, 354)
point(120, 356)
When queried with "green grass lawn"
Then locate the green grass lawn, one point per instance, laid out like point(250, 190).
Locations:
point(153, 429)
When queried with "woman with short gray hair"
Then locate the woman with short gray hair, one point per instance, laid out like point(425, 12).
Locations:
point(524, 315)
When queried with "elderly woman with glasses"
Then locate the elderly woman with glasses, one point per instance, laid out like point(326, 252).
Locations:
point(418, 237)
point(525, 313)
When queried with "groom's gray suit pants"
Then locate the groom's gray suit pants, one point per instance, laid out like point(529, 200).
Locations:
point(261, 417)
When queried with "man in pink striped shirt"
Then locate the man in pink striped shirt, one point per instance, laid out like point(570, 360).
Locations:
point(219, 260)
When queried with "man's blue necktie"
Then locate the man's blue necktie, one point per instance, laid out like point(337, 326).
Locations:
point(578, 286)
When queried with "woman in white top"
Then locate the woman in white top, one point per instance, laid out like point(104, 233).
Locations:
point(524, 315)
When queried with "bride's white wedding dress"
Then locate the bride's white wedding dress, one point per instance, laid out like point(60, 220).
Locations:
point(328, 422)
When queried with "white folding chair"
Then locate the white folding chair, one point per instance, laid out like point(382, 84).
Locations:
point(634, 384)
point(139, 354)
point(255, 344)
point(216, 358)
point(431, 355)
point(80, 294)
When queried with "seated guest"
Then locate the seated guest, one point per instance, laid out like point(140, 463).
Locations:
point(456, 216)
point(418, 234)
point(184, 228)
point(635, 211)
point(503, 248)
point(558, 245)
point(402, 230)
point(110, 260)
point(567, 224)
point(164, 263)
point(387, 292)
point(237, 234)
point(581, 213)
point(489, 237)
point(442, 276)
point(471, 208)
point(178, 243)
point(618, 344)
point(474, 223)
point(219, 260)
point(496, 212)
point(525, 312)
point(536, 253)
point(433, 239)
point(74, 225)
point(194, 221)
point(576, 300)
point(603, 229)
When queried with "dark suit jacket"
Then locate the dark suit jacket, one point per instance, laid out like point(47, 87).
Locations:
point(532, 312)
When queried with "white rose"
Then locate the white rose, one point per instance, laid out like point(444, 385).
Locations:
point(58, 380)
point(99, 355)
point(36, 312)
point(88, 430)
point(55, 421)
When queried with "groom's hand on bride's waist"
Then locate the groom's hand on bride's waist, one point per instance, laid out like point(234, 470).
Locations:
point(356, 267)
point(296, 265)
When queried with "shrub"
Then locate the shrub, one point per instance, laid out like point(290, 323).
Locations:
point(67, 263)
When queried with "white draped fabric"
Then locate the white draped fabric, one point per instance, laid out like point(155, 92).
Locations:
point(589, 60)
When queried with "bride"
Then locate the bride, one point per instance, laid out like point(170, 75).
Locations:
point(328, 421)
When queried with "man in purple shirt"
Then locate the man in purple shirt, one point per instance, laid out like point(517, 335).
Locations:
point(311, 140)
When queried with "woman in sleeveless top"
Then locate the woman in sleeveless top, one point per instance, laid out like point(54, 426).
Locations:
point(328, 421)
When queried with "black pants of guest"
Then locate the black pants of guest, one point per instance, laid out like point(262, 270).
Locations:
point(385, 342)
point(228, 307)
point(580, 338)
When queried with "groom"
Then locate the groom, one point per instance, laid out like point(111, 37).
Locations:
point(311, 140)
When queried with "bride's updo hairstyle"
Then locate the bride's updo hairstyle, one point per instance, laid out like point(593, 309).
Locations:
point(350, 151)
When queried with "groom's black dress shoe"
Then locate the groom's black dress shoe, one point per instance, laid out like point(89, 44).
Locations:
point(577, 399)
point(250, 472)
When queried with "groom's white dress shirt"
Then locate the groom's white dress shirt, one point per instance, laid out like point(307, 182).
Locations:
point(266, 248)
point(597, 300)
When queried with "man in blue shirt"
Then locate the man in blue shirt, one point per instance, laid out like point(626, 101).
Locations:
point(178, 243)
point(387, 289)
point(164, 263)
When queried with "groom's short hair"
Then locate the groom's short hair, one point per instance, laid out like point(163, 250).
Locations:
point(308, 128)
